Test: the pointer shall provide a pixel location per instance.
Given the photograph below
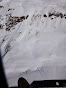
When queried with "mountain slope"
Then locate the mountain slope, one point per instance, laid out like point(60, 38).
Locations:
point(33, 39)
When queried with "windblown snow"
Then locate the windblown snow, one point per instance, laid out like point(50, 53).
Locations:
point(33, 39)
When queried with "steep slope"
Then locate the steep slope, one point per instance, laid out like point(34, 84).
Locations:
point(33, 39)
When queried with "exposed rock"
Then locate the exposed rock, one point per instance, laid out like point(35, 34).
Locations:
point(1, 7)
point(10, 9)
point(27, 16)
point(45, 15)
point(57, 14)
point(12, 21)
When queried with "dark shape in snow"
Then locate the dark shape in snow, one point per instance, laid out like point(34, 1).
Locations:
point(22, 83)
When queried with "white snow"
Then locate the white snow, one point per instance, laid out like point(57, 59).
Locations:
point(38, 44)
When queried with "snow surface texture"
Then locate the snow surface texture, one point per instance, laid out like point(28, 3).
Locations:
point(33, 39)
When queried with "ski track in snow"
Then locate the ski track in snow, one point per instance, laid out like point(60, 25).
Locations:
point(37, 44)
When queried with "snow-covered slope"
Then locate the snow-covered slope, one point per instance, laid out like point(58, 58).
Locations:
point(33, 39)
